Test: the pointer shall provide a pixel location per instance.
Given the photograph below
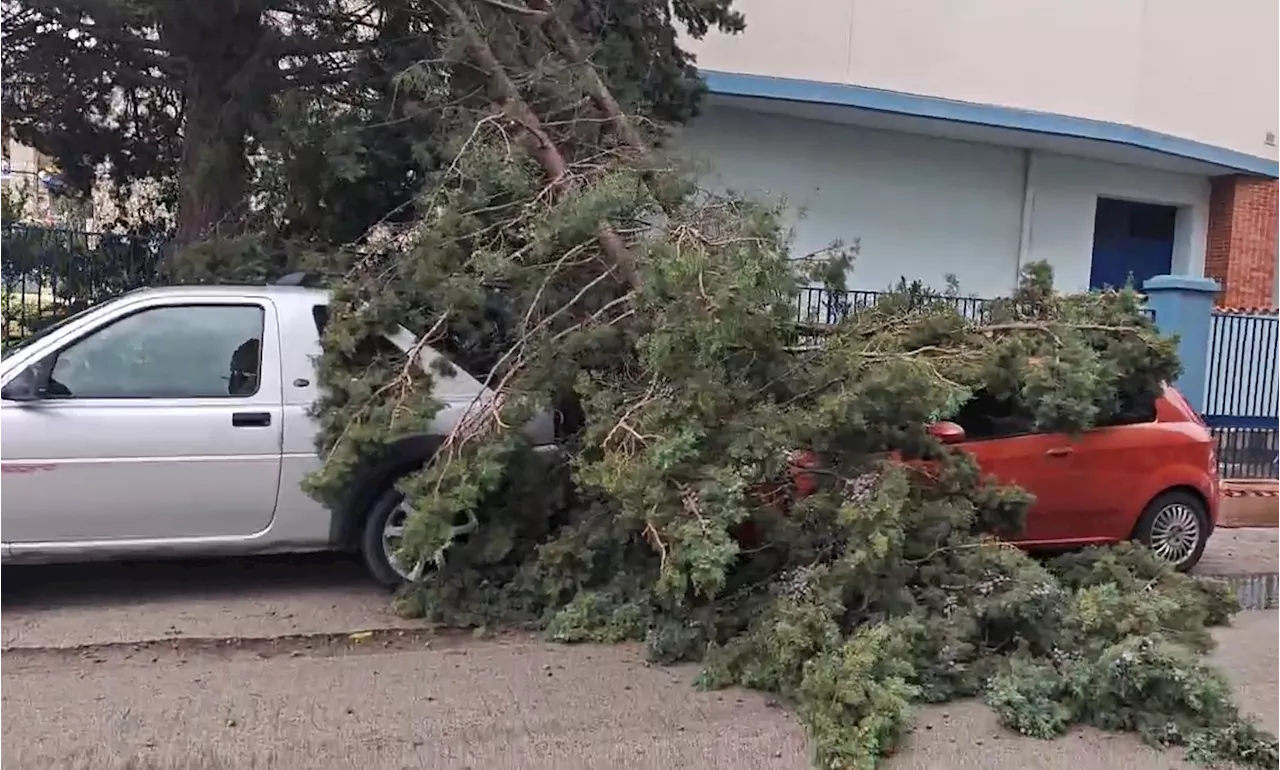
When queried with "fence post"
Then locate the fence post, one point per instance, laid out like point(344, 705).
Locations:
point(1183, 305)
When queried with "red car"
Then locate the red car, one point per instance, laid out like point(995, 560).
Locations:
point(1152, 476)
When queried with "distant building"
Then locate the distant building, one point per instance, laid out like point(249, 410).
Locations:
point(1108, 137)
point(24, 182)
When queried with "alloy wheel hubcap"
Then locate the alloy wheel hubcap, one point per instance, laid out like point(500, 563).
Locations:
point(1175, 532)
point(393, 538)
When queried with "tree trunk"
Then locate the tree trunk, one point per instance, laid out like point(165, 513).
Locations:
point(225, 64)
point(212, 173)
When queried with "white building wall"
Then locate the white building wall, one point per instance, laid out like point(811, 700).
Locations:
point(21, 183)
point(1064, 193)
point(923, 207)
point(21, 159)
point(919, 207)
point(1198, 70)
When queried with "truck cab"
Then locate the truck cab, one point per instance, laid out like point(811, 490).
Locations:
point(177, 421)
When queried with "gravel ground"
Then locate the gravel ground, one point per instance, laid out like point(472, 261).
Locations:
point(221, 665)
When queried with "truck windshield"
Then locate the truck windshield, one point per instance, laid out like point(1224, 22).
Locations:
point(11, 347)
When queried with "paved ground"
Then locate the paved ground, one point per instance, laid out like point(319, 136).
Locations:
point(101, 604)
point(1249, 551)
point(510, 705)
point(113, 667)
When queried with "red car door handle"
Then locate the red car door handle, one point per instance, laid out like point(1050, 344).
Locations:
point(1059, 451)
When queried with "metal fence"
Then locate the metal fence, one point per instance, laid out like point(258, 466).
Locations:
point(821, 306)
point(48, 273)
point(1242, 392)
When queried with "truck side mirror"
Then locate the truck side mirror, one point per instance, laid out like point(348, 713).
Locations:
point(22, 388)
point(31, 384)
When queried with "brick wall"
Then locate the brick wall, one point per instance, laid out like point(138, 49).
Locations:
point(1241, 249)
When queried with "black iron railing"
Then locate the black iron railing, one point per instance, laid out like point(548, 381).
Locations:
point(822, 306)
point(47, 273)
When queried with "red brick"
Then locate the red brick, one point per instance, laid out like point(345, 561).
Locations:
point(1240, 251)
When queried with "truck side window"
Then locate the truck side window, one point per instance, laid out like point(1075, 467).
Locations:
point(369, 348)
point(320, 314)
point(182, 351)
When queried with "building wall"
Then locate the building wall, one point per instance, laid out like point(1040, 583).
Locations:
point(1242, 252)
point(1064, 194)
point(1178, 67)
point(21, 183)
point(21, 159)
point(919, 208)
point(923, 207)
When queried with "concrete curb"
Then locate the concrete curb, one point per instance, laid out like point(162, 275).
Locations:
point(1255, 592)
point(318, 644)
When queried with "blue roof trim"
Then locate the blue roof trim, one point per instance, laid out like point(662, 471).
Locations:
point(787, 89)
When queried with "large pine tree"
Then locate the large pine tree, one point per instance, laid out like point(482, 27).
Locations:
point(282, 113)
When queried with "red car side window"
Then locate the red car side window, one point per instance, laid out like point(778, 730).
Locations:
point(987, 417)
point(1132, 410)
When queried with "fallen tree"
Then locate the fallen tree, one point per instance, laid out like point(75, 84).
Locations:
point(571, 269)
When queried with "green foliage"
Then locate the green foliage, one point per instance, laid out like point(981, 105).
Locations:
point(301, 124)
point(1126, 657)
point(14, 200)
point(577, 274)
point(878, 591)
point(24, 315)
point(68, 62)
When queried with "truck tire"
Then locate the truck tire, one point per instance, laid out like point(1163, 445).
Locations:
point(372, 500)
point(376, 547)
point(380, 539)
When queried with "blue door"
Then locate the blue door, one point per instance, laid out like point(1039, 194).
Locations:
point(1131, 241)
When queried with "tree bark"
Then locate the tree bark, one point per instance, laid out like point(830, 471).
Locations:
point(225, 59)
point(212, 172)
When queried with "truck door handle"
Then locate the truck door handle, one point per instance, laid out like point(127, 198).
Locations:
point(250, 419)
point(1062, 451)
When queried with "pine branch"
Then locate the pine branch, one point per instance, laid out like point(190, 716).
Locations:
point(535, 137)
point(513, 8)
point(599, 92)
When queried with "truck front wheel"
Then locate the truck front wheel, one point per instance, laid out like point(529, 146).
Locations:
point(383, 534)
point(380, 541)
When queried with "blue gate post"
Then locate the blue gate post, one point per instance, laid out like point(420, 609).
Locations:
point(1183, 305)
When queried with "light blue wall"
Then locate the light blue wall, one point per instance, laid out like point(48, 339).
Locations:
point(1183, 306)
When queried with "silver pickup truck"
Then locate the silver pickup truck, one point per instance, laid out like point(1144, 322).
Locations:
point(175, 422)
